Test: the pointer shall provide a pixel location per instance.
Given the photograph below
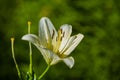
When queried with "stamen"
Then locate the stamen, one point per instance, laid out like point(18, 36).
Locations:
point(61, 38)
point(63, 34)
point(61, 30)
point(56, 38)
point(59, 35)
point(53, 34)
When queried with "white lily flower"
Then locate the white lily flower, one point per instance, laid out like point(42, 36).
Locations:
point(55, 46)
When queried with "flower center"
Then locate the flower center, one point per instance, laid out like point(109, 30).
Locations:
point(59, 40)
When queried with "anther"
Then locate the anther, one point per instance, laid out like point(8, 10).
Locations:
point(61, 30)
point(53, 34)
point(63, 34)
point(61, 38)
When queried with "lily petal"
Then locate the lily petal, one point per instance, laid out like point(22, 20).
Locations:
point(66, 32)
point(31, 38)
point(69, 61)
point(47, 32)
point(71, 45)
point(46, 54)
point(69, 42)
point(55, 59)
point(49, 56)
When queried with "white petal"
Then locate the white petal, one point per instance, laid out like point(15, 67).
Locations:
point(55, 59)
point(47, 31)
point(50, 57)
point(70, 40)
point(66, 32)
point(69, 61)
point(31, 38)
point(73, 44)
point(46, 55)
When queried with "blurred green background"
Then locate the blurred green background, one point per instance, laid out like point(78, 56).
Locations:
point(96, 58)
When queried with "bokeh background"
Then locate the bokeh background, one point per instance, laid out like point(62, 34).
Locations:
point(96, 58)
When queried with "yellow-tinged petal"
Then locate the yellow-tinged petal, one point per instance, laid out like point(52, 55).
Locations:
point(66, 32)
point(47, 33)
point(69, 61)
point(44, 33)
point(69, 42)
point(31, 38)
point(50, 57)
point(72, 44)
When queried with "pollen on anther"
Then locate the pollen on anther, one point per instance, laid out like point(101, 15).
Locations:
point(53, 34)
point(61, 30)
point(63, 34)
point(61, 38)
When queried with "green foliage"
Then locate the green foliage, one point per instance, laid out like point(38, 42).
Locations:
point(96, 58)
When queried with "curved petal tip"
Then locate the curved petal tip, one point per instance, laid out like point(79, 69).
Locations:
point(69, 62)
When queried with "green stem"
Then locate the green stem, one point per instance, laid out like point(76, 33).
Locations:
point(30, 58)
point(13, 56)
point(44, 72)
